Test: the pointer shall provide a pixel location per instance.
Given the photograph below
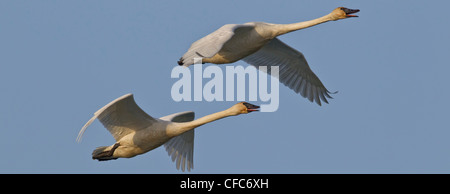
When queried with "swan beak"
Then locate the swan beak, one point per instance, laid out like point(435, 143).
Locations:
point(350, 11)
point(251, 107)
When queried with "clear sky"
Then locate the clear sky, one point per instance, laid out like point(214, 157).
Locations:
point(60, 61)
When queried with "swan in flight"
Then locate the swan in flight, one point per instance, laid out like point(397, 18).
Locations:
point(136, 132)
point(256, 44)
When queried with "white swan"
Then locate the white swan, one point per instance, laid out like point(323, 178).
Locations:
point(256, 44)
point(136, 132)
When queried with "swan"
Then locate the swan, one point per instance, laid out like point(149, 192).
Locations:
point(256, 44)
point(136, 132)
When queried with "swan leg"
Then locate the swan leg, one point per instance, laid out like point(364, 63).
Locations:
point(105, 155)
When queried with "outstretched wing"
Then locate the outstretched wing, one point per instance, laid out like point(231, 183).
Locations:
point(181, 148)
point(211, 44)
point(121, 117)
point(294, 71)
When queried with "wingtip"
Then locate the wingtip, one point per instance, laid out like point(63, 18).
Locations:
point(80, 135)
point(323, 97)
point(83, 129)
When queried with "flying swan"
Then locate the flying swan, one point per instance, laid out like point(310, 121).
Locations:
point(256, 44)
point(136, 132)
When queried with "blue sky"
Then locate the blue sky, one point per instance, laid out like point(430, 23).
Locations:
point(60, 61)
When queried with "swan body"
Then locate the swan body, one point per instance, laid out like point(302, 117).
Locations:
point(136, 132)
point(256, 43)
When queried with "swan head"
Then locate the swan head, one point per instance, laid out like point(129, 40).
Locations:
point(243, 108)
point(343, 13)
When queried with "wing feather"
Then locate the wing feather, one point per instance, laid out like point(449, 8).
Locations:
point(294, 71)
point(181, 148)
point(121, 117)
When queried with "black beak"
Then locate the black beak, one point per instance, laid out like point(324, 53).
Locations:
point(251, 107)
point(350, 11)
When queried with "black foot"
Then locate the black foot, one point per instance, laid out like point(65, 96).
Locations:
point(106, 155)
point(180, 62)
point(99, 159)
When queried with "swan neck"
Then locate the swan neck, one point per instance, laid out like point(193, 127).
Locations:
point(178, 128)
point(286, 28)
